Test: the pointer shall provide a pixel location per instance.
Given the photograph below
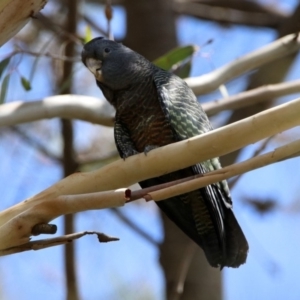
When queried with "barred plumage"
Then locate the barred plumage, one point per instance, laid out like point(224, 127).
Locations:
point(155, 108)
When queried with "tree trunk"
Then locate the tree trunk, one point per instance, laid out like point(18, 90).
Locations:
point(187, 272)
point(69, 163)
point(150, 27)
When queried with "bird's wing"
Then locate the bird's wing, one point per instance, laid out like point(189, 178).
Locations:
point(188, 119)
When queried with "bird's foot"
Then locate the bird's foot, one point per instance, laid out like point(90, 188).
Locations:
point(148, 148)
point(127, 153)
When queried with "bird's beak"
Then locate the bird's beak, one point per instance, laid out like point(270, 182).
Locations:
point(94, 66)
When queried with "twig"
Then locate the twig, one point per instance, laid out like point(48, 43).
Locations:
point(93, 24)
point(46, 54)
point(59, 30)
point(109, 16)
point(61, 240)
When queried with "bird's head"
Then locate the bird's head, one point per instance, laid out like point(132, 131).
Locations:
point(113, 64)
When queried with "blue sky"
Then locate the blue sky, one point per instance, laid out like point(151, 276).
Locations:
point(130, 267)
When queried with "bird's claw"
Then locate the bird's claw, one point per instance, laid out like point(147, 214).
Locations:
point(128, 153)
point(148, 148)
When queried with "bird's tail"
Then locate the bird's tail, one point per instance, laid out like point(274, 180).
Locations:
point(203, 216)
point(236, 243)
point(215, 229)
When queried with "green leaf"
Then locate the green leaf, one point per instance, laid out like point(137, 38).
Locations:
point(88, 34)
point(25, 83)
point(4, 87)
point(175, 56)
point(3, 65)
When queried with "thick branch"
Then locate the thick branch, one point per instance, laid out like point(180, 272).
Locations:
point(51, 208)
point(85, 108)
point(281, 153)
point(14, 14)
point(18, 220)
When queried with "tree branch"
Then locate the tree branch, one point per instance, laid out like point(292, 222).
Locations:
point(85, 108)
point(51, 208)
point(92, 110)
point(14, 14)
point(248, 98)
point(61, 240)
point(211, 81)
point(93, 24)
point(82, 191)
point(281, 153)
point(45, 54)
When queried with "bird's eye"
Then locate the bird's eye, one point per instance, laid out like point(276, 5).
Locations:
point(106, 50)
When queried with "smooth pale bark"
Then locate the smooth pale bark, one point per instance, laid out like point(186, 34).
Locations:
point(86, 108)
point(50, 208)
point(166, 159)
point(14, 15)
point(157, 162)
